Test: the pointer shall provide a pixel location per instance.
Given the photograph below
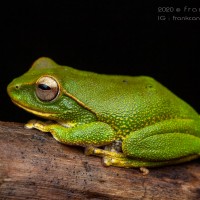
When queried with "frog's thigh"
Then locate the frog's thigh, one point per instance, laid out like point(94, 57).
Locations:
point(164, 141)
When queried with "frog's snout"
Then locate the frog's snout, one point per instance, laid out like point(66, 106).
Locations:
point(12, 87)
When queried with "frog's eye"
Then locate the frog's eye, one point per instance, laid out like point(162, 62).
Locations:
point(47, 88)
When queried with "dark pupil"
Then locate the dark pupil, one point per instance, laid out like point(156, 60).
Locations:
point(44, 87)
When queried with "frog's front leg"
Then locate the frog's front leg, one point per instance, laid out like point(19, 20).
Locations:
point(91, 134)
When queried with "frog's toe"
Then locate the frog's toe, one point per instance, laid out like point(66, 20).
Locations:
point(144, 170)
point(107, 161)
point(89, 150)
point(30, 124)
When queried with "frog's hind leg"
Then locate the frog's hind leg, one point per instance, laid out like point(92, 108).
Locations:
point(164, 143)
point(168, 142)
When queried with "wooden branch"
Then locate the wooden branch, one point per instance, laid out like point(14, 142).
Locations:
point(34, 165)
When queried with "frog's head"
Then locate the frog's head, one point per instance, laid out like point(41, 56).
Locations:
point(40, 91)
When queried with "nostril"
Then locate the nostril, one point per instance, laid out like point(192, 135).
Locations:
point(17, 86)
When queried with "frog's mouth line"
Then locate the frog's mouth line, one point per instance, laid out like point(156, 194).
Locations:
point(41, 114)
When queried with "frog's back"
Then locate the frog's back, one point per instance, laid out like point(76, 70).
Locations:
point(135, 101)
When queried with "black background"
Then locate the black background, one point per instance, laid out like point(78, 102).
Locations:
point(105, 37)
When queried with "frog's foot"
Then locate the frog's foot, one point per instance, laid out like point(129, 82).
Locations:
point(108, 161)
point(125, 163)
point(116, 159)
point(42, 126)
point(31, 124)
point(90, 150)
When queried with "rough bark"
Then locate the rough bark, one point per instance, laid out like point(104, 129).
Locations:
point(33, 165)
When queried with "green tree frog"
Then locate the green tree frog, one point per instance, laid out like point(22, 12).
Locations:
point(128, 121)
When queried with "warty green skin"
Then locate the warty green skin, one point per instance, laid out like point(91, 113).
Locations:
point(155, 126)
